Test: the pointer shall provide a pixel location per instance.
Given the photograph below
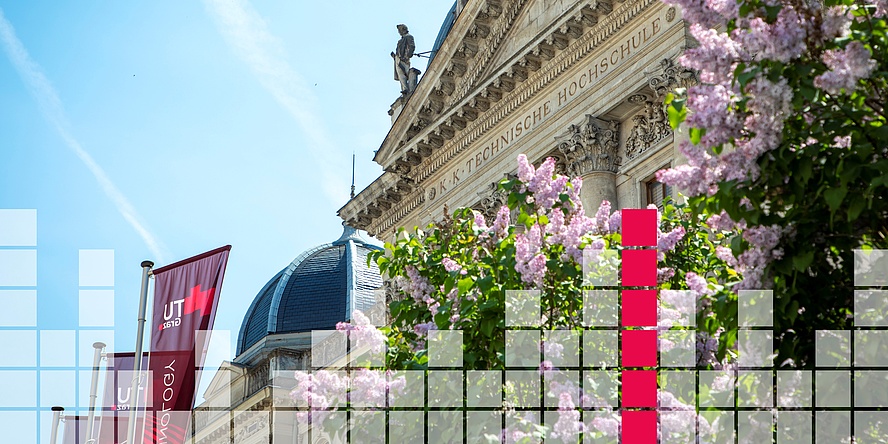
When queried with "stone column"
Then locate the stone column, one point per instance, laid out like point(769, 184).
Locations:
point(591, 152)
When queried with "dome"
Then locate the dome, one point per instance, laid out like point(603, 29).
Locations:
point(442, 34)
point(320, 288)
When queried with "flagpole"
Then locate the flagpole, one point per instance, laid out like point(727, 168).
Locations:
point(137, 362)
point(56, 416)
point(93, 388)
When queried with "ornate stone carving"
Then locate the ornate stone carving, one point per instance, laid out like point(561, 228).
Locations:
point(648, 127)
point(492, 199)
point(591, 146)
point(670, 76)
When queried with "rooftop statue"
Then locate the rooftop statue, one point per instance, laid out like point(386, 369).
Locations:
point(403, 73)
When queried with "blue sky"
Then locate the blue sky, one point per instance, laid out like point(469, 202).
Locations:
point(164, 129)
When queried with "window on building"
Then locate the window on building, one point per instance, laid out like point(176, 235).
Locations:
point(656, 193)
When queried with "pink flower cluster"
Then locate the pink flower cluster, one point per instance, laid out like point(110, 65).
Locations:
point(363, 333)
point(846, 67)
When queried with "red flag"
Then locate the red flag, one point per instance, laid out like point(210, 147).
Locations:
point(118, 395)
point(185, 297)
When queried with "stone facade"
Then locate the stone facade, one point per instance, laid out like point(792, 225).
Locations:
point(582, 81)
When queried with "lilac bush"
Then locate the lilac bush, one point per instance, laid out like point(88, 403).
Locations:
point(788, 148)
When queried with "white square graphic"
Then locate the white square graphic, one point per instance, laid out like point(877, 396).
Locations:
point(406, 388)
point(755, 388)
point(18, 348)
point(870, 268)
point(756, 308)
point(871, 308)
point(601, 308)
point(57, 387)
point(367, 427)
point(794, 388)
point(602, 427)
point(96, 268)
point(18, 228)
point(482, 424)
point(870, 388)
point(18, 388)
point(755, 348)
point(57, 348)
point(601, 268)
point(445, 427)
point(18, 268)
point(832, 388)
point(407, 426)
point(445, 348)
point(716, 388)
point(249, 426)
point(484, 388)
point(755, 427)
point(522, 308)
point(601, 348)
point(327, 347)
point(96, 308)
point(18, 308)
point(832, 348)
point(832, 426)
point(795, 427)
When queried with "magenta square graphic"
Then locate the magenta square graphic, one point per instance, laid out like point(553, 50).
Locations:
point(639, 268)
point(639, 227)
point(639, 308)
point(639, 388)
point(639, 348)
point(640, 426)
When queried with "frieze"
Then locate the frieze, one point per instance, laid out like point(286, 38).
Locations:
point(606, 63)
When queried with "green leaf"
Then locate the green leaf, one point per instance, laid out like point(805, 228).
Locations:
point(465, 285)
point(695, 135)
point(487, 326)
point(834, 197)
point(856, 207)
point(677, 113)
point(801, 261)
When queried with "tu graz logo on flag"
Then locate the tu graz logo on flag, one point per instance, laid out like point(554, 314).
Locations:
point(197, 300)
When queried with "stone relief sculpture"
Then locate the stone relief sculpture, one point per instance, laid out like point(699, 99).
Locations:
point(591, 146)
point(648, 127)
point(669, 76)
point(403, 52)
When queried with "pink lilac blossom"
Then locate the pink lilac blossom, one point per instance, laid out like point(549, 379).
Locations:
point(665, 274)
point(842, 142)
point(782, 40)
point(712, 107)
point(501, 223)
point(846, 67)
point(417, 285)
point(881, 8)
point(526, 171)
point(450, 265)
point(602, 218)
point(716, 56)
point(363, 332)
point(725, 254)
point(698, 283)
point(666, 242)
point(610, 426)
point(836, 22)
point(480, 223)
point(529, 261)
point(424, 328)
point(711, 13)
point(568, 427)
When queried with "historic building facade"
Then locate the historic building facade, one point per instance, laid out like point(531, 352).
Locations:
point(581, 81)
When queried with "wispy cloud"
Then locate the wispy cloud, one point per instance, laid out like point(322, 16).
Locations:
point(51, 106)
point(248, 35)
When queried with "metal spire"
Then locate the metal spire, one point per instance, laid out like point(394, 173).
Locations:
point(353, 176)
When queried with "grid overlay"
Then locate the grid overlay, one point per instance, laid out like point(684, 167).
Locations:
point(632, 363)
